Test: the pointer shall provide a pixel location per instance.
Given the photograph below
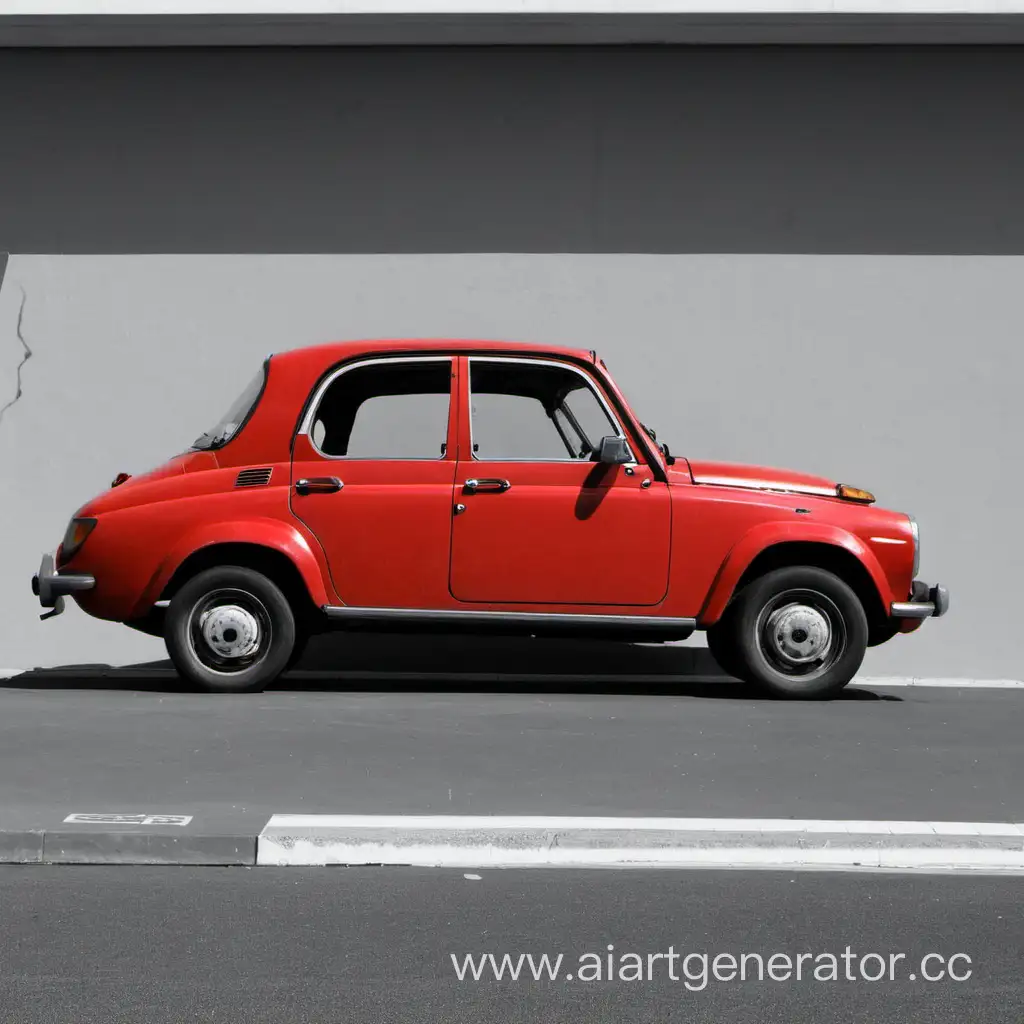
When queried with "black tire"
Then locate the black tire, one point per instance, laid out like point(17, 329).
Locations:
point(721, 640)
point(242, 650)
point(799, 632)
point(301, 641)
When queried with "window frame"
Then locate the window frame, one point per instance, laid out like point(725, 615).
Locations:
point(588, 382)
point(309, 418)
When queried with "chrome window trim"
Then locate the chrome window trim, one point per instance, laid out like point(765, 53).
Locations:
point(766, 485)
point(562, 366)
point(305, 429)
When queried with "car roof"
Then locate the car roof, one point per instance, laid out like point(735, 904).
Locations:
point(334, 352)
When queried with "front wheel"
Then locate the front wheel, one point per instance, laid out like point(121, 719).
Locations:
point(230, 630)
point(721, 639)
point(799, 632)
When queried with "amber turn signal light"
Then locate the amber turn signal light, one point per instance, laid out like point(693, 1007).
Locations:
point(854, 494)
point(78, 530)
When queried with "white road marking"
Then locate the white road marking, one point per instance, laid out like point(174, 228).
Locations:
point(475, 841)
point(463, 822)
point(127, 819)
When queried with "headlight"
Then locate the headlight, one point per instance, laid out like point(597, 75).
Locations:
point(74, 538)
point(916, 534)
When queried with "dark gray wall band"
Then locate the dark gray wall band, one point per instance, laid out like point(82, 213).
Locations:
point(456, 28)
point(575, 149)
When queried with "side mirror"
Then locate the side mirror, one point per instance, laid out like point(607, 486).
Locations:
point(614, 451)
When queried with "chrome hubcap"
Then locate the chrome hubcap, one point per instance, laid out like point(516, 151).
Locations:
point(230, 631)
point(799, 633)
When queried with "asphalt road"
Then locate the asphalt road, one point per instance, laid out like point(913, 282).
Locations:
point(136, 741)
point(176, 945)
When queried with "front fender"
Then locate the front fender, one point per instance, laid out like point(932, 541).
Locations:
point(284, 538)
point(766, 535)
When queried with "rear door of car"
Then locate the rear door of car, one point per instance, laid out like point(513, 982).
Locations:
point(372, 474)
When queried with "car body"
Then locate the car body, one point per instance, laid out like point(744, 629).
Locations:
point(478, 486)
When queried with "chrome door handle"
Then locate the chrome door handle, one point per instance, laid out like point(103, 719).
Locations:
point(318, 485)
point(495, 484)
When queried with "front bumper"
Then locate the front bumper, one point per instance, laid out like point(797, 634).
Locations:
point(926, 601)
point(51, 586)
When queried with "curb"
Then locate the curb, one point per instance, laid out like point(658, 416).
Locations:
point(542, 841)
point(58, 846)
point(478, 842)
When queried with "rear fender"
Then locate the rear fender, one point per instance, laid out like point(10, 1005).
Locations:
point(304, 553)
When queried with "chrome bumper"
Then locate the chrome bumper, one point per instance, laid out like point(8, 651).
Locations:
point(925, 602)
point(51, 586)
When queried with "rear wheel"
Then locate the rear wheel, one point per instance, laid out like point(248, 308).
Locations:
point(799, 632)
point(230, 630)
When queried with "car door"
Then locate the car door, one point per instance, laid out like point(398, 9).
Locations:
point(372, 474)
point(535, 520)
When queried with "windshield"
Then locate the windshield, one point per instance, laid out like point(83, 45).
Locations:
point(649, 431)
point(231, 422)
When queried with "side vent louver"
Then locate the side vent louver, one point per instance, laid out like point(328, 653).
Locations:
point(253, 478)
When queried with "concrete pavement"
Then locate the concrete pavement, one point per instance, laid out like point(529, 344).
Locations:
point(160, 946)
point(134, 741)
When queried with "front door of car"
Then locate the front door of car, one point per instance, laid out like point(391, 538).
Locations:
point(372, 473)
point(537, 521)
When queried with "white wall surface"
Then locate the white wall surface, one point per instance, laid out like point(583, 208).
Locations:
point(899, 373)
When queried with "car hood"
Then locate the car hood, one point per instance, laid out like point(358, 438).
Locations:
point(760, 478)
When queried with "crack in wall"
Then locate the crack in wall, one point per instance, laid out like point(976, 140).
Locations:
point(25, 357)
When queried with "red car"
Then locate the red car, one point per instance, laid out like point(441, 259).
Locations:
point(488, 487)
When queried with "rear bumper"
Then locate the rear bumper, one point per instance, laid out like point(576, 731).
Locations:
point(51, 587)
point(926, 601)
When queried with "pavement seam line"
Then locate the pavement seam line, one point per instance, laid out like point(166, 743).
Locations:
point(950, 682)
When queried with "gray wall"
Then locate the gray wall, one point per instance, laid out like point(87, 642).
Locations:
point(804, 258)
point(816, 150)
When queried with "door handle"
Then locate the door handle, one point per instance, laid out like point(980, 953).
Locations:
point(495, 484)
point(318, 485)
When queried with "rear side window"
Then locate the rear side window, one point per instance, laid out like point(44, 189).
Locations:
point(387, 410)
point(231, 422)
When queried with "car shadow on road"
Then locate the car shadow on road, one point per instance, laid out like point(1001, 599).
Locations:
point(390, 663)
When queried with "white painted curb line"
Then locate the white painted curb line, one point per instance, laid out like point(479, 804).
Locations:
point(540, 841)
point(462, 822)
point(951, 683)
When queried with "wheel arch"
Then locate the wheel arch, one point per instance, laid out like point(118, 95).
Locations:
point(854, 567)
point(269, 561)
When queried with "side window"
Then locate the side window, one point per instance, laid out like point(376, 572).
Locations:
point(534, 411)
point(513, 427)
point(387, 410)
